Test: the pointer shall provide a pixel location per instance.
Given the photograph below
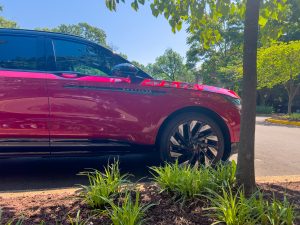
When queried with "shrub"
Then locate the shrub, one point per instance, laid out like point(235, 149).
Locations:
point(184, 181)
point(262, 109)
point(127, 211)
point(103, 185)
point(293, 116)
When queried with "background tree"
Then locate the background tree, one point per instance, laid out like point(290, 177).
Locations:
point(6, 23)
point(170, 66)
point(279, 64)
point(198, 14)
point(84, 30)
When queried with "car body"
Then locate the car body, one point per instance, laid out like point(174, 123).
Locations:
point(63, 95)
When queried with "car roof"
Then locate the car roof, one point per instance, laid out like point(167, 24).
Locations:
point(43, 33)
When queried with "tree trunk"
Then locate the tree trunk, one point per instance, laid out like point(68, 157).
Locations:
point(245, 168)
point(292, 90)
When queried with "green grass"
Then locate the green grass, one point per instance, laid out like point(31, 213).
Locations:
point(188, 182)
point(127, 211)
point(224, 174)
point(233, 208)
point(103, 185)
point(293, 116)
point(78, 220)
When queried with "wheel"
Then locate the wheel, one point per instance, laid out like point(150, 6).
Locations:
point(191, 138)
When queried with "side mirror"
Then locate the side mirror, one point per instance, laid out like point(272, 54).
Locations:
point(124, 70)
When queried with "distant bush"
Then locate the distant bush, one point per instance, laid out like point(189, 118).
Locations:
point(293, 116)
point(262, 109)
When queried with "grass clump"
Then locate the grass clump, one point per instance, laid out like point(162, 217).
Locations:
point(185, 182)
point(224, 174)
point(127, 211)
point(233, 208)
point(102, 186)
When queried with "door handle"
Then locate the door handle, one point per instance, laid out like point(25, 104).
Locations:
point(67, 75)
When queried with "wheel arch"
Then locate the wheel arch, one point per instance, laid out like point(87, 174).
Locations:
point(217, 118)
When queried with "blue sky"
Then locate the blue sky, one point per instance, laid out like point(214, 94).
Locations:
point(139, 35)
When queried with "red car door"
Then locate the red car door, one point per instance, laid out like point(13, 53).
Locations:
point(24, 108)
point(80, 95)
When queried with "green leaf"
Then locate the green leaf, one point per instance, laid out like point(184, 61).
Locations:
point(262, 21)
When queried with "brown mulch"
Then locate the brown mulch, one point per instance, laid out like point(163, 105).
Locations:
point(55, 208)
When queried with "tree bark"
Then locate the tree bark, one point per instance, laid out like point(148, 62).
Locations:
point(245, 168)
point(292, 90)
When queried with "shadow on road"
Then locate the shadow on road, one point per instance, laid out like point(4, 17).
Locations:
point(49, 173)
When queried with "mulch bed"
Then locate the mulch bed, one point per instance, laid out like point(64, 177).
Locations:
point(55, 208)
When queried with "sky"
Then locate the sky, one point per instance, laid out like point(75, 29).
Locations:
point(139, 35)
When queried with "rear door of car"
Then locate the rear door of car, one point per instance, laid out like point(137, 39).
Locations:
point(24, 108)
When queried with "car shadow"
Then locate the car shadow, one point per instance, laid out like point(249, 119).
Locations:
point(27, 174)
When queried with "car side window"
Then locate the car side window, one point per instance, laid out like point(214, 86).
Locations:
point(80, 58)
point(18, 52)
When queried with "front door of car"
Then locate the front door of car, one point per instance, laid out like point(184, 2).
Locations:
point(81, 95)
point(24, 109)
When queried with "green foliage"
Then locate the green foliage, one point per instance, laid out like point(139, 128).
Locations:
point(84, 30)
point(128, 211)
point(263, 109)
point(103, 185)
point(224, 174)
point(293, 116)
point(188, 182)
point(278, 64)
point(201, 14)
point(78, 220)
point(11, 222)
point(230, 208)
point(4, 23)
point(235, 209)
point(170, 66)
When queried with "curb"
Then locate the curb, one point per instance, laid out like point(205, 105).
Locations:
point(278, 179)
point(283, 122)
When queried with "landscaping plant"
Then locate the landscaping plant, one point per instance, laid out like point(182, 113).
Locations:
point(103, 185)
point(184, 182)
point(233, 208)
point(78, 220)
point(224, 174)
point(127, 211)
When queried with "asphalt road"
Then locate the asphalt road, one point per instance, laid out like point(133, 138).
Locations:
point(277, 154)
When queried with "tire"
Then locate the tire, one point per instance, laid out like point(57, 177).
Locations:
point(191, 138)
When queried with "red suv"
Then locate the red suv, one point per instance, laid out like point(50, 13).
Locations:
point(62, 95)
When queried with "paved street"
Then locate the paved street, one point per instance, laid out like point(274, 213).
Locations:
point(277, 154)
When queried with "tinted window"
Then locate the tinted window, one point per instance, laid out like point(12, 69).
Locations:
point(18, 52)
point(84, 58)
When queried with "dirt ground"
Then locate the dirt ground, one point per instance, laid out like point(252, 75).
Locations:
point(55, 207)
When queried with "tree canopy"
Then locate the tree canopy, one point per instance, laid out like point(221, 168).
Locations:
point(4, 23)
point(279, 64)
point(84, 30)
point(170, 66)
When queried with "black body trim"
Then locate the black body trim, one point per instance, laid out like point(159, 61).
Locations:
point(126, 90)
